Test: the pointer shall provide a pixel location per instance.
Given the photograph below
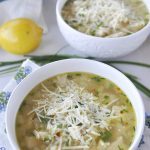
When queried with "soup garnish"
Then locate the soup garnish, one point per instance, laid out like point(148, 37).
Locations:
point(106, 18)
point(75, 111)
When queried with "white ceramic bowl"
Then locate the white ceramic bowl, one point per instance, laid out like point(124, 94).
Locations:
point(73, 65)
point(101, 47)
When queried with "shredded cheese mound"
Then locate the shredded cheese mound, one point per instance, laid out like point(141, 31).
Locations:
point(106, 18)
point(72, 114)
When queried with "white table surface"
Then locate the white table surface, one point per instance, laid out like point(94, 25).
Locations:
point(53, 41)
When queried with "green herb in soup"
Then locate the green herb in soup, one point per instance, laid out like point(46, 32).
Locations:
point(106, 18)
point(75, 111)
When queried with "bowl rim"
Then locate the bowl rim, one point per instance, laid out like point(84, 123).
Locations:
point(10, 104)
point(59, 16)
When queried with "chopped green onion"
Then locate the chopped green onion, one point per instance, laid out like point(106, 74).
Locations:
point(105, 135)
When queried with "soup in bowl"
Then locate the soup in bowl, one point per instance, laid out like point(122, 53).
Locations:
point(84, 105)
point(111, 18)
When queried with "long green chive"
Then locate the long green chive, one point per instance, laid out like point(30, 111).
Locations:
point(129, 63)
point(2, 64)
point(9, 69)
point(140, 86)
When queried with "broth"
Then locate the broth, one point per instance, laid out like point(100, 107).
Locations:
point(106, 18)
point(75, 111)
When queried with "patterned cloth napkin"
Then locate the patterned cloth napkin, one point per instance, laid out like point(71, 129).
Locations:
point(26, 68)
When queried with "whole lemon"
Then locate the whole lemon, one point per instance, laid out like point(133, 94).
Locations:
point(20, 36)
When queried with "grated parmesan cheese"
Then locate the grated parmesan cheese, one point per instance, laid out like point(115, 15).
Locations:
point(72, 114)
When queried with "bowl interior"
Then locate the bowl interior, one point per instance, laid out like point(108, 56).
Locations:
point(73, 65)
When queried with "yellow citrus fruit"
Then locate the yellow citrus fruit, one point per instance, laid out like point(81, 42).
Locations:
point(20, 36)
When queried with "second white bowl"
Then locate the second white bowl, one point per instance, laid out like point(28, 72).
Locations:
point(101, 47)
